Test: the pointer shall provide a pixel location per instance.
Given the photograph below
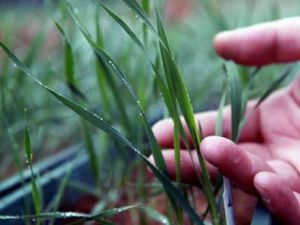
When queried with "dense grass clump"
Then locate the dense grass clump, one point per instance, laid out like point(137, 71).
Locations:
point(99, 74)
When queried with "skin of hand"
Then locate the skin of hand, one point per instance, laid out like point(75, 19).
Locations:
point(266, 161)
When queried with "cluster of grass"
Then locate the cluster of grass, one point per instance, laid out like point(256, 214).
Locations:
point(116, 67)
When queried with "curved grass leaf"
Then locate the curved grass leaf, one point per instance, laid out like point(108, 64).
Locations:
point(98, 122)
point(235, 98)
point(276, 84)
point(138, 10)
point(69, 63)
point(109, 63)
point(135, 39)
point(177, 89)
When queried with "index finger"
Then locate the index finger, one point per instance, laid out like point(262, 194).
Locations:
point(163, 130)
point(261, 44)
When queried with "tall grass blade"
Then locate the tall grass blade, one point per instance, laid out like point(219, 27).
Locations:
point(276, 84)
point(138, 10)
point(69, 63)
point(58, 197)
point(139, 44)
point(155, 215)
point(109, 63)
point(235, 98)
point(177, 89)
point(146, 8)
point(98, 122)
point(35, 192)
point(124, 26)
point(219, 123)
point(91, 151)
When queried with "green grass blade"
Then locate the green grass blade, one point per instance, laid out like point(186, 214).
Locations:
point(135, 39)
point(219, 124)
point(112, 212)
point(99, 34)
point(138, 10)
point(109, 63)
point(124, 26)
point(61, 190)
point(35, 192)
point(177, 88)
point(69, 63)
point(146, 8)
point(91, 151)
point(98, 122)
point(275, 85)
point(235, 98)
point(177, 150)
point(155, 215)
point(105, 222)
point(175, 83)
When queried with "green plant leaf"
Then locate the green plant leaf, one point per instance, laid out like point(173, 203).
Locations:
point(69, 63)
point(138, 10)
point(235, 98)
point(177, 88)
point(275, 85)
point(109, 63)
point(155, 215)
point(35, 192)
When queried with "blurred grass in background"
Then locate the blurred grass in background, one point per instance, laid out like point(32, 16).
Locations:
point(31, 33)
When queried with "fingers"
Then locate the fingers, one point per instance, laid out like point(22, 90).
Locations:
point(294, 90)
point(163, 130)
point(287, 173)
point(189, 167)
point(278, 197)
point(266, 43)
point(238, 165)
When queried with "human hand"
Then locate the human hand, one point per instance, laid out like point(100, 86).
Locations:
point(266, 161)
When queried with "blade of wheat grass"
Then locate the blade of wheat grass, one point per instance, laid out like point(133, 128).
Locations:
point(58, 197)
point(161, 83)
point(69, 63)
point(177, 89)
point(35, 192)
point(109, 63)
point(235, 98)
point(155, 215)
point(140, 13)
point(275, 85)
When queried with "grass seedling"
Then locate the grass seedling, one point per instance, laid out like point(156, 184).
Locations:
point(123, 79)
point(35, 192)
